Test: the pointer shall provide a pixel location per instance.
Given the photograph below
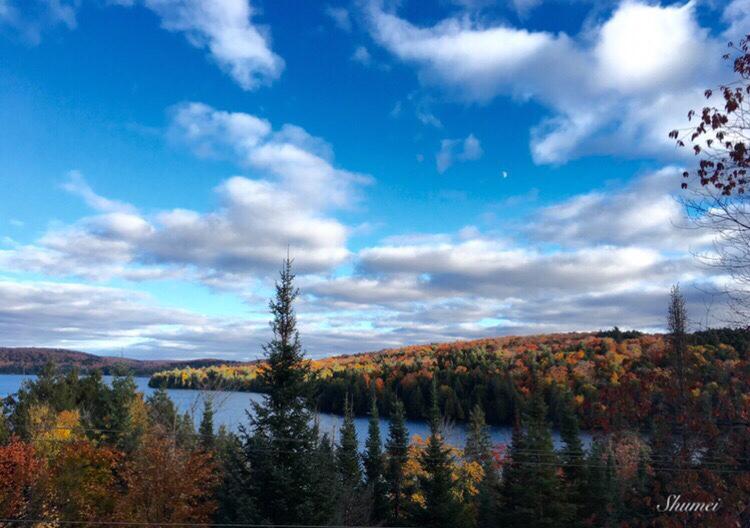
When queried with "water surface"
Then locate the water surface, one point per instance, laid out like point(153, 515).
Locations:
point(230, 410)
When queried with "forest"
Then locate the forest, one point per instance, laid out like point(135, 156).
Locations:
point(612, 376)
point(668, 415)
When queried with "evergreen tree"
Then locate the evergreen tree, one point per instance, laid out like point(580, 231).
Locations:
point(396, 447)
point(206, 428)
point(185, 431)
point(531, 488)
point(600, 485)
point(347, 454)
point(236, 503)
point(573, 463)
point(124, 433)
point(478, 442)
point(374, 467)
point(283, 438)
point(161, 410)
point(478, 449)
point(325, 488)
point(442, 508)
point(351, 507)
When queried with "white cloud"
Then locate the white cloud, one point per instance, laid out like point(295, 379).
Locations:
point(603, 87)
point(31, 18)
point(246, 235)
point(645, 212)
point(457, 150)
point(226, 30)
point(737, 17)
point(362, 56)
point(76, 184)
point(340, 17)
point(300, 162)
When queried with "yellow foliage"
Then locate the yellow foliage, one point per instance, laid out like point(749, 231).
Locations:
point(49, 429)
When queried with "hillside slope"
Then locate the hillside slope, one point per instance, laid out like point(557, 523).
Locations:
point(612, 376)
point(14, 360)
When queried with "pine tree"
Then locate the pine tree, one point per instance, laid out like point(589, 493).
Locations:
point(325, 489)
point(397, 450)
point(283, 438)
point(600, 485)
point(573, 463)
point(206, 428)
point(235, 503)
point(478, 449)
point(478, 442)
point(347, 454)
point(441, 507)
point(161, 410)
point(374, 467)
point(531, 488)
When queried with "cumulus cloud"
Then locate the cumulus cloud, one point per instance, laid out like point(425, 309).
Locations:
point(596, 260)
point(302, 163)
point(603, 88)
point(645, 213)
point(226, 30)
point(457, 150)
point(246, 235)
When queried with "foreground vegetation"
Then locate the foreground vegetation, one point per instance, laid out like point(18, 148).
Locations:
point(75, 450)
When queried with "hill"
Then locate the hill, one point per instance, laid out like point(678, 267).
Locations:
point(612, 376)
point(14, 360)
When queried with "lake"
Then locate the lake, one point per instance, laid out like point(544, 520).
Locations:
point(229, 410)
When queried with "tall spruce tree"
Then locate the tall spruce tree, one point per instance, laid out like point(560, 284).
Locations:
point(283, 438)
point(206, 428)
point(347, 454)
point(441, 509)
point(352, 508)
point(531, 488)
point(374, 467)
point(573, 463)
point(478, 449)
point(397, 449)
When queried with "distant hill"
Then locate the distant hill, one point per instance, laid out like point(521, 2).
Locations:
point(15, 360)
point(613, 376)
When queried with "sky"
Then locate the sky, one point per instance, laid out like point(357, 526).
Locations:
point(438, 170)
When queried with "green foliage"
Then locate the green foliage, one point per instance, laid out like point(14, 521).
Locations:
point(396, 448)
point(532, 492)
point(375, 467)
point(478, 449)
point(282, 439)
point(441, 508)
point(347, 455)
point(206, 428)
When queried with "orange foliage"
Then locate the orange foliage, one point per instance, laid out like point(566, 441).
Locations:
point(19, 471)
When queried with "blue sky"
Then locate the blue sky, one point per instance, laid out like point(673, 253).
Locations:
point(439, 170)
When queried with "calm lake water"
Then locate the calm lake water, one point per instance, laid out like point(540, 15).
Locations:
point(229, 410)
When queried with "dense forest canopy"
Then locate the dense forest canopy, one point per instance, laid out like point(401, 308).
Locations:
point(611, 375)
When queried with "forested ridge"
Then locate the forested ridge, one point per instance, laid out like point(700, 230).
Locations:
point(76, 450)
point(612, 375)
point(32, 360)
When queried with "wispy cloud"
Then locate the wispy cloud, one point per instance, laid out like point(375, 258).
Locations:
point(452, 150)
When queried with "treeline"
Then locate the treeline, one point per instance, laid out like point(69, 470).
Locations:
point(76, 450)
point(609, 375)
point(23, 360)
